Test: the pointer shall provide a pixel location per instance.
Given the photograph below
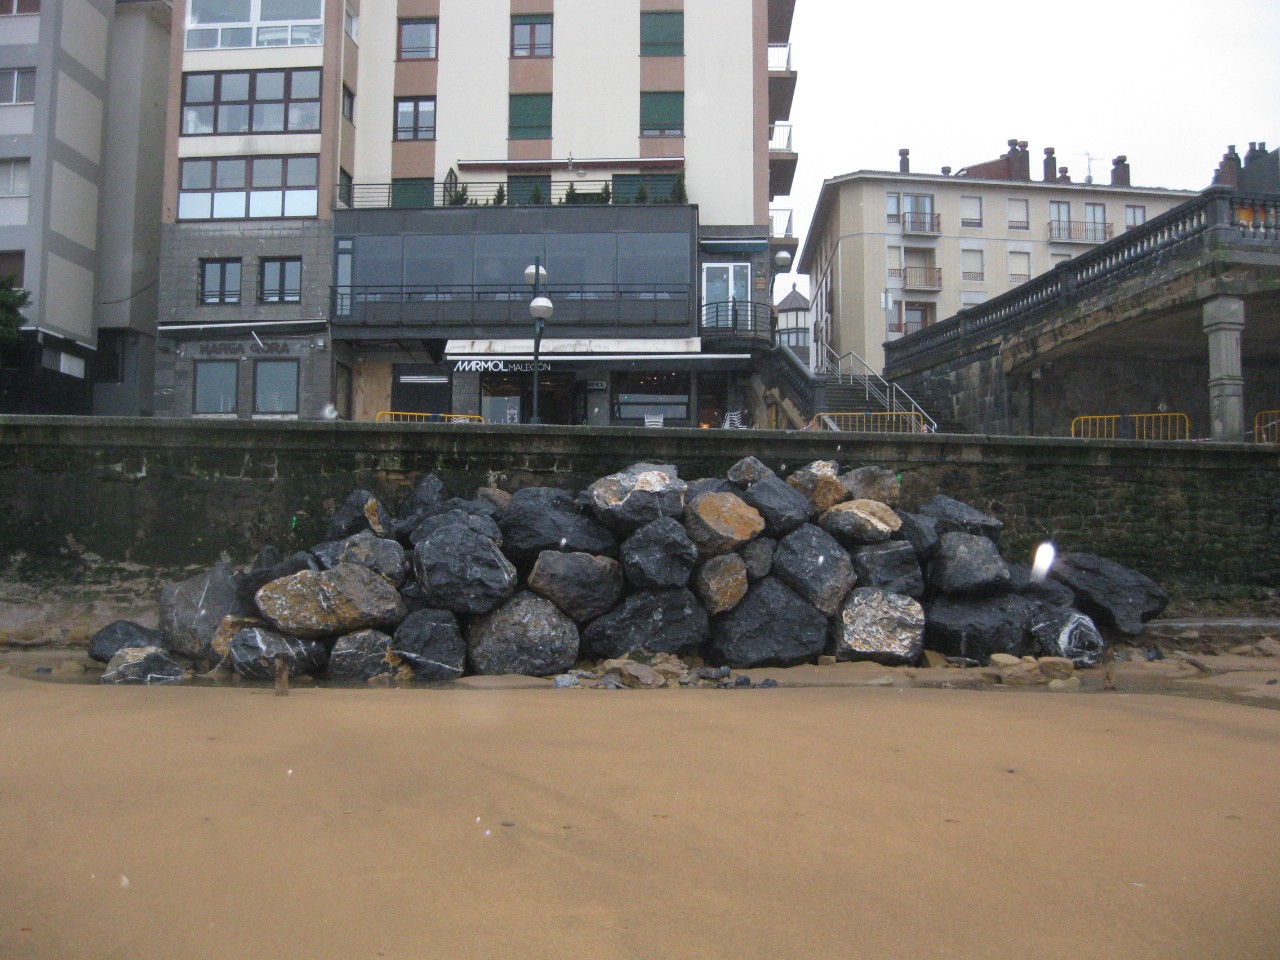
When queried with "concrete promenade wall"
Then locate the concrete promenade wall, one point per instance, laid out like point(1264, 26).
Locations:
point(1198, 516)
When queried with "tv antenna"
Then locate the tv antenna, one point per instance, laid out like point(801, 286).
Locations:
point(1088, 170)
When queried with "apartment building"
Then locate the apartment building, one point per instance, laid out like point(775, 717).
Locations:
point(81, 107)
point(889, 253)
point(353, 194)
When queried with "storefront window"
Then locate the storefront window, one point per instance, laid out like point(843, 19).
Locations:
point(637, 395)
point(215, 388)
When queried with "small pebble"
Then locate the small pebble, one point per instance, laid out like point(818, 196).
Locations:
point(768, 683)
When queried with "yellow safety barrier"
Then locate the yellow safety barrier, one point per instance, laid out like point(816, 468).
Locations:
point(1145, 426)
point(896, 422)
point(399, 416)
point(1266, 427)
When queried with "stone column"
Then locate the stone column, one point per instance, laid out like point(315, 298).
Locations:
point(1223, 323)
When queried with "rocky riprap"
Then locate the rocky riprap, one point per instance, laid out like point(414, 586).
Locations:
point(641, 580)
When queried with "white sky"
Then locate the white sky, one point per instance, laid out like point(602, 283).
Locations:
point(1168, 84)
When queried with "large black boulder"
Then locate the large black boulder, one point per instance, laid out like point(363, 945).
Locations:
point(366, 549)
point(547, 518)
point(583, 585)
point(890, 566)
point(968, 565)
point(463, 571)
point(360, 511)
point(430, 642)
point(271, 566)
point(1068, 633)
point(956, 517)
point(976, 627)
point(254, 652)
point(360, 656)
point(658, 556)
point(655, 621)
point(638, 495)
point(1116, 597)
point(190, 611)
point(120, 634)
point(919, 531)
point(1048, 591)
point(142, 665)
point(527, 635)
point(481, 523)
point(814, 565)
point(782, 506)
point(771, 626)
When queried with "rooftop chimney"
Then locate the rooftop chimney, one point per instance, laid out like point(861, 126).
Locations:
point(1050, 165)
point(1023, 171)
point(1228, 172)
point(1120, 171)
point(1063, 176)
point(946, 171)
point(904, 160)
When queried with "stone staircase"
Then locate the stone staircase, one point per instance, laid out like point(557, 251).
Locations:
point(853, 394)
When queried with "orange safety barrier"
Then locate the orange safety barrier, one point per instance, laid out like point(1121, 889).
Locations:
point(398, 416)
point(895, 422)
point(1266, 427)
point(1145, 426)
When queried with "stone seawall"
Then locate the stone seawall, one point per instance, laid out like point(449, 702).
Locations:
point(1198, 517)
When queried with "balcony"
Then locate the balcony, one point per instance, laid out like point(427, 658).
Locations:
point(782, 235)
point(424, 195)
point(922, 278)
point(928, 224)
point(782, 81)
point(782, 160)
point(736, 325)
point(1079, 231)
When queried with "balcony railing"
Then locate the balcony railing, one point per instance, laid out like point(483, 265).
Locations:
point(922, 223)
point(922, 278)
point(1079, 231)
point(737, 320)
point(779, 57)
point(420, 196)
point(780, 138)
point(781, 224)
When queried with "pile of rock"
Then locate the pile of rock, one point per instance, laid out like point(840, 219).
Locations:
point(741, 571)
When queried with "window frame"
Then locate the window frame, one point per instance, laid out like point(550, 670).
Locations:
point(297, 383)
point(285, 188)
point(531, 48)
point(251, 102)
point(223, 293)
point(893, 208)
point(418, 131)
point(11, 93)
point(434, 48)
point(196, 367)
point(651, 23)
point(282, 292)
point(1130, 219)
point(656, 113)
point(11, 186)
point(528, 129)
point(257, 30)
point(1023, 224)
point(973, 276)
point(347, 104)
point(970, 221)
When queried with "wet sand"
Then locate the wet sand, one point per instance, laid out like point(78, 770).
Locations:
point(881, 823)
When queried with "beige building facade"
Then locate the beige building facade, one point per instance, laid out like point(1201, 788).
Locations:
point(891, 253)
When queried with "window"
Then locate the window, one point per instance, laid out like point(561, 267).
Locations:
point(970, 211)
point(345, 187)
point(529, 116)
point(893, 259)
point(17, 86)
point(215, 386)
point(15, 178)
point(1019, 218)
point(1095, 222)
point(13, 263)
point(1019, 266)
point(107, 363)
point(1059, 220)
point(637, 394)
point(971, 267)
point(220, 281)
point(531, 35)
point(259, 101)
point(275, 386)
point(350, 23)
point(348, 103)
point(280, 280)
point(416, 118)
point(235, 188)
point(344, 258)
point(9, 8)
point(529, 189)
point(892, 208)
point(215, 24)
point(662, 114)
point(918, 215)
point(662, 34)
point(909, 318)
point(418, 40)
point(1134, 216)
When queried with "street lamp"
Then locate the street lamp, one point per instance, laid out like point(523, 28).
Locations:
point(540, 308)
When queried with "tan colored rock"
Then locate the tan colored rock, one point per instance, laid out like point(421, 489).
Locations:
point(1069, 685)
point(1268, 647)
point(935, 659)
point(371, 510)
point(499, 498)
point(669, 666)
point(1242, 650)
point(641, 676)
point(820, 482)
point(860, 521)
point(1024, 672)
point(1000, 660)
point(228, 628)
point(826, 660)
point(721, 582)
point(719, 523)
point(1056, 668)
point(323, 603)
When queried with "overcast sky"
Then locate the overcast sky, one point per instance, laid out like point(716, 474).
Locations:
point(1168, 84)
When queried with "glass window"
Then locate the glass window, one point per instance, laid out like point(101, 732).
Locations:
point(290, 9)
point(501, 259)
point(263, 101)
point(219, 281)
point(9, 8)
point(418, 40)
point(637, 394)
point(416, 118)
point(892, 208)
point(379, 262)
point(17, 86)
point(213, 24)
point(529, 116)
point(275, 386)
point(1134, 216)
point(248, 187)
point(280, 280)
point(440, 261)
point(348, 103)
point(971, 266)
point(1019, 266)
point(654, 258)
point(588, 261)
point(662, 34)
point(531, 35)
point(215, 386)
point(662, 114)
point(15, 178)
point(219, 11)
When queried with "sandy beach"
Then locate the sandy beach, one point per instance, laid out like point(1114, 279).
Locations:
point(887, 823)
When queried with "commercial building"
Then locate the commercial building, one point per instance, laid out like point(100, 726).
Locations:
point(352, 195)
point(81, 108)
point(889, 253)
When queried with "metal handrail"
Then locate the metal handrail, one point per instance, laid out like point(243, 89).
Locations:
point(748, 318)
point(1084, 231)
point(922, 278)
point(1144, 426)
point(407, 416)
point(347, 296)
point(1266, 426)
point(780, 138)
point(780, 57)
point(917, 222)
point(899, 422)
point(888, 395)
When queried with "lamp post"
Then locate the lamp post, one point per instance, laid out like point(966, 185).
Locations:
point(540, 309)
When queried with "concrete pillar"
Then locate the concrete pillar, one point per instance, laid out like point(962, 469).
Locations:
point(1223, 323)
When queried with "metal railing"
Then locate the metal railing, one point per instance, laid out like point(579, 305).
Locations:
point(921, 222)
point(404, 416)
point(429, 196)
point(345, 298)
point(899, 422)
point(852, 369)
point(922, 278)
point(1134, 426)
point(781, 224)
point(1079, 231)
point(780, 138)
point(737, 318)
point(1266, 426)
point(780, 57)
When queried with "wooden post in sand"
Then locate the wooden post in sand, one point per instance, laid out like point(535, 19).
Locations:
point(282, 677)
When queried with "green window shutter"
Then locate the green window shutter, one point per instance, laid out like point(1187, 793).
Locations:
point(413, 192)
point(519, 18)
point(530, 116)
point(662, 34)
point(529, 189)
point(662, 114)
